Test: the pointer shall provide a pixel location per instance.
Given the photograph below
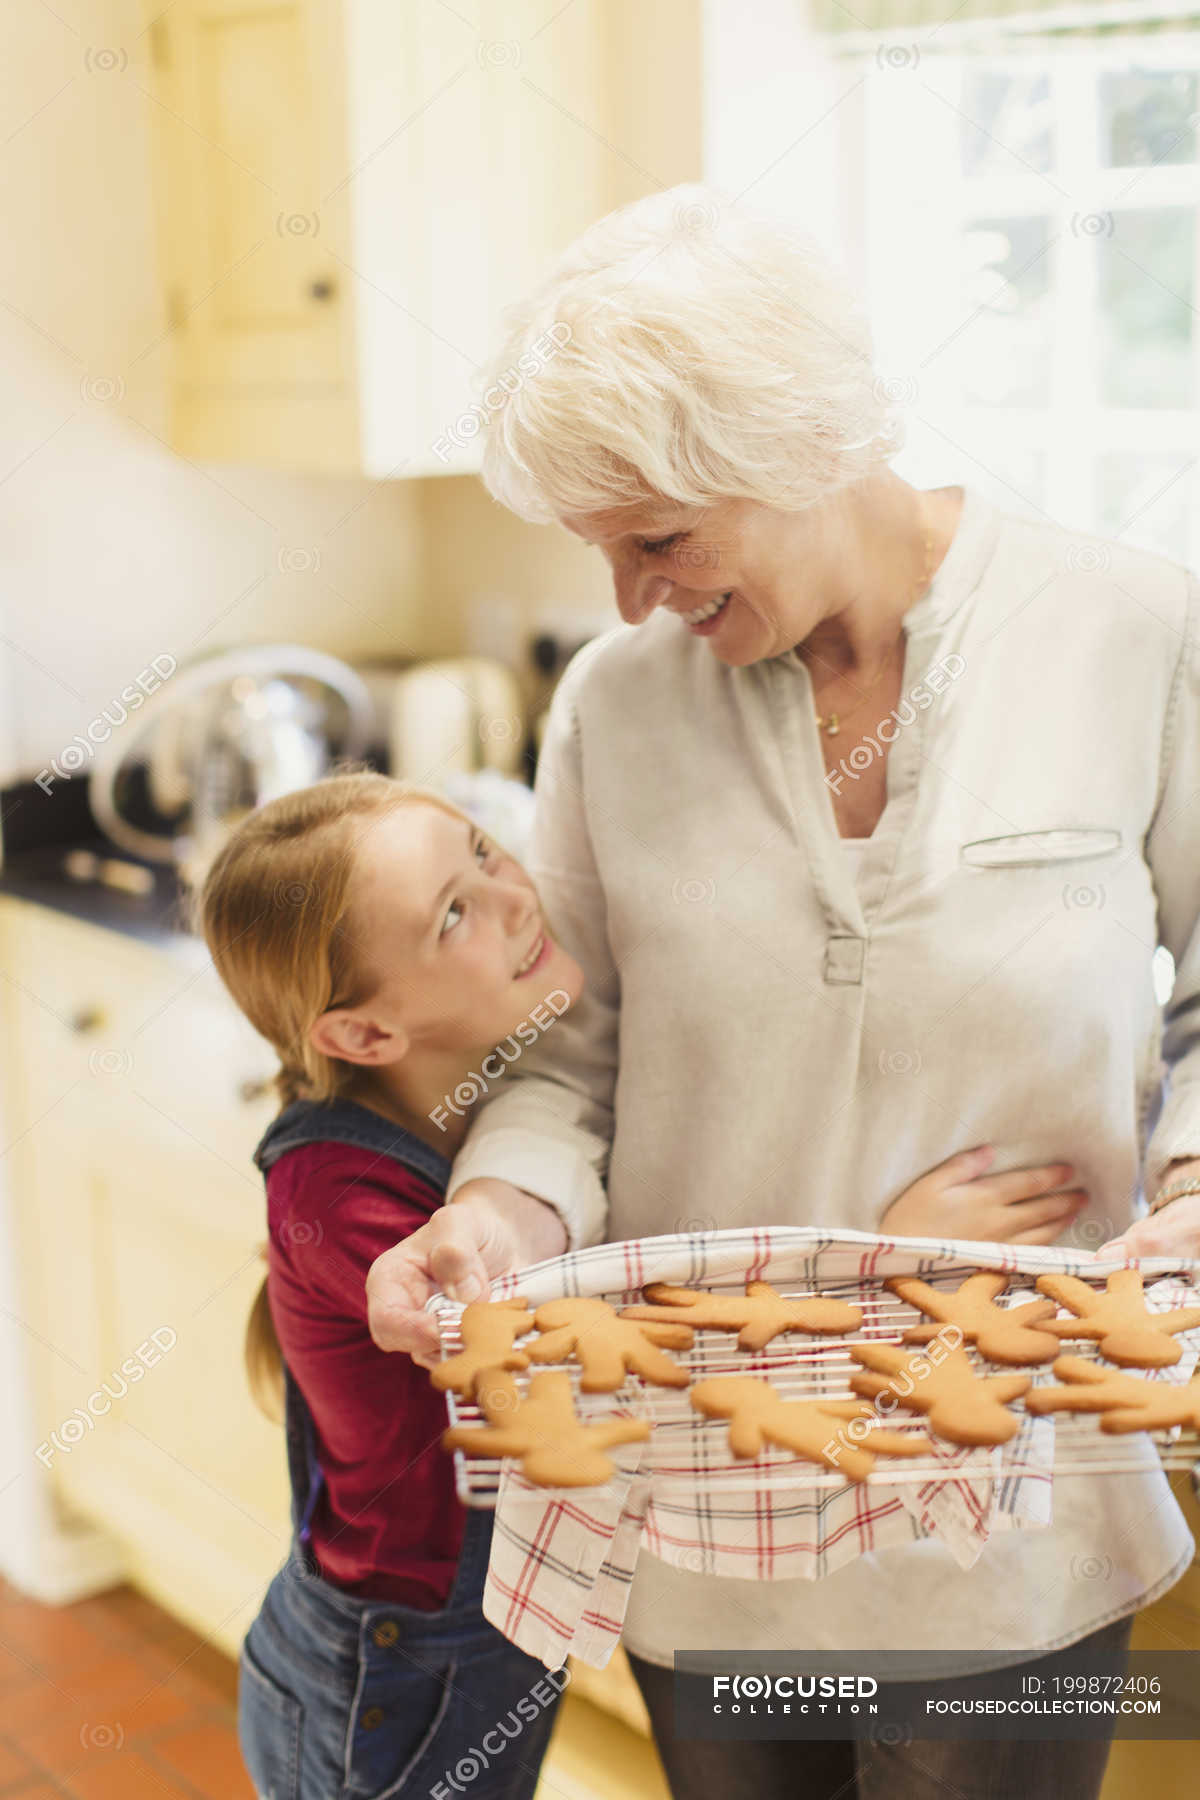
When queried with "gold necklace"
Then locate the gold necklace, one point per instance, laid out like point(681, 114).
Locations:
point(832, 724)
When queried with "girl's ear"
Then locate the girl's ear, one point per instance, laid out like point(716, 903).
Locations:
point(353, 1036)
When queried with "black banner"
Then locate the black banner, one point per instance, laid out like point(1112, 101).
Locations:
point(1068, 1694)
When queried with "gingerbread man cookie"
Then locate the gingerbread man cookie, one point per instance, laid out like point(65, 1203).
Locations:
point(1127, 1402)
point(757, 1316)
point(1002, 1334)
point(489, 1329)
point(759, 1415)
point(555, 1446)
point(1119, 1319)
point(960, 1405)
point(607, 1346)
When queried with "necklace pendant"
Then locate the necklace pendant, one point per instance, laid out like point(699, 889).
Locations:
point(831, 726)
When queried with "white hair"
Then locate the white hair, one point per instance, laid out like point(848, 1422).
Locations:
point(689, 348)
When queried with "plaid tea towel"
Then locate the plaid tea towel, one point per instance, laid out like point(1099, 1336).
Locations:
point(562, 1563)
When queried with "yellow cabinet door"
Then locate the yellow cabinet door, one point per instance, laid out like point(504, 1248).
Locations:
point(349, 194)
point(248, 148)
point(180, 1465)
point(134, 1096)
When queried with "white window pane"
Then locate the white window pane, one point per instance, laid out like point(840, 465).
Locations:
point(1145, 297)
point(1009, 123)
point(1144, 498)
point(1003, 354)
point(1147, 116)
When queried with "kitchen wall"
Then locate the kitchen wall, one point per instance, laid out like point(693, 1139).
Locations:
point(112, 549)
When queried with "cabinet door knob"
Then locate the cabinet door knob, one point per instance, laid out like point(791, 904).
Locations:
point(87, 1020)
point(254, 1089)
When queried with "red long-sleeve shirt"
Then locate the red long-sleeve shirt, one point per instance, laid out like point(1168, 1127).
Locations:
point(388, 1524)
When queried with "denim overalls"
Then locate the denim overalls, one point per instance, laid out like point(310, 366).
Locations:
point(341, 1698)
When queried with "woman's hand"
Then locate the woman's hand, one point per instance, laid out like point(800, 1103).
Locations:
point(957, 1199)
point(488, 1229)
point(1175, 1231)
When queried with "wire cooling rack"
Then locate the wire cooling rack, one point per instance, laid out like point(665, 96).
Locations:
point(686, 1450)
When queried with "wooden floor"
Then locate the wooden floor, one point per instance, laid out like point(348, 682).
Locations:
point(111, 1699)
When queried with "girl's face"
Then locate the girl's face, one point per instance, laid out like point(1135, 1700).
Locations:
point(448, 932)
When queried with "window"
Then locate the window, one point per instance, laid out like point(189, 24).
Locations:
point(1030, 247)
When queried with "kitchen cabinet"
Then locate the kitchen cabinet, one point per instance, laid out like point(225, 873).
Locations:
point(348, 192)
point(134, 1095)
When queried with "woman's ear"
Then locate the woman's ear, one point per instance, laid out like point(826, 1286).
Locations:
point(352, 1035)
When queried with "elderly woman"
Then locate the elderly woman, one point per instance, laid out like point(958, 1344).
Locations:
point(864, 827)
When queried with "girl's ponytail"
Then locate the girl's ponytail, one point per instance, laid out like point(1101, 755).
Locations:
point(291, 1084)
point(264, 1358)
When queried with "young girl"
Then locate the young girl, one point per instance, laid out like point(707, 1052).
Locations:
point(383, 945)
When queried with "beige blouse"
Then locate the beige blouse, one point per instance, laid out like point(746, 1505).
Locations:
point(769, 1036)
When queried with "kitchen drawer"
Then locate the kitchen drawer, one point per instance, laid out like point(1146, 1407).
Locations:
point(151, 1037)
point(137, 1211)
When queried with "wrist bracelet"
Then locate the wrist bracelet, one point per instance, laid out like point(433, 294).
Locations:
point(1174, 1190)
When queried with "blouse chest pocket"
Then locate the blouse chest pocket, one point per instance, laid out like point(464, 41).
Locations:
point(1042, 849)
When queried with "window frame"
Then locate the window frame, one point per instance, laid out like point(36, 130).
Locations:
point(897, 238)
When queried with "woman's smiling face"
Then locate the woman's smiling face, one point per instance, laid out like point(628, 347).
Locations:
point(739, 558)
point(448, 932)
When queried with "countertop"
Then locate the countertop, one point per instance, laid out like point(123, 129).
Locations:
point(156, 917)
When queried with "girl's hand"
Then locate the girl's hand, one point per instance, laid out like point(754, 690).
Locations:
point(487, 1230)
point(957, 1199)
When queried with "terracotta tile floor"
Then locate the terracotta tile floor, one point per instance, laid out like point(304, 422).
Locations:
point(112, 1699)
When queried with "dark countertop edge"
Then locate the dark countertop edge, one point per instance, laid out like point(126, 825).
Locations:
point(155, 919)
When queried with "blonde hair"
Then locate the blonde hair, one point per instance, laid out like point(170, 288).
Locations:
point(273, 910)
point(685, 347)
